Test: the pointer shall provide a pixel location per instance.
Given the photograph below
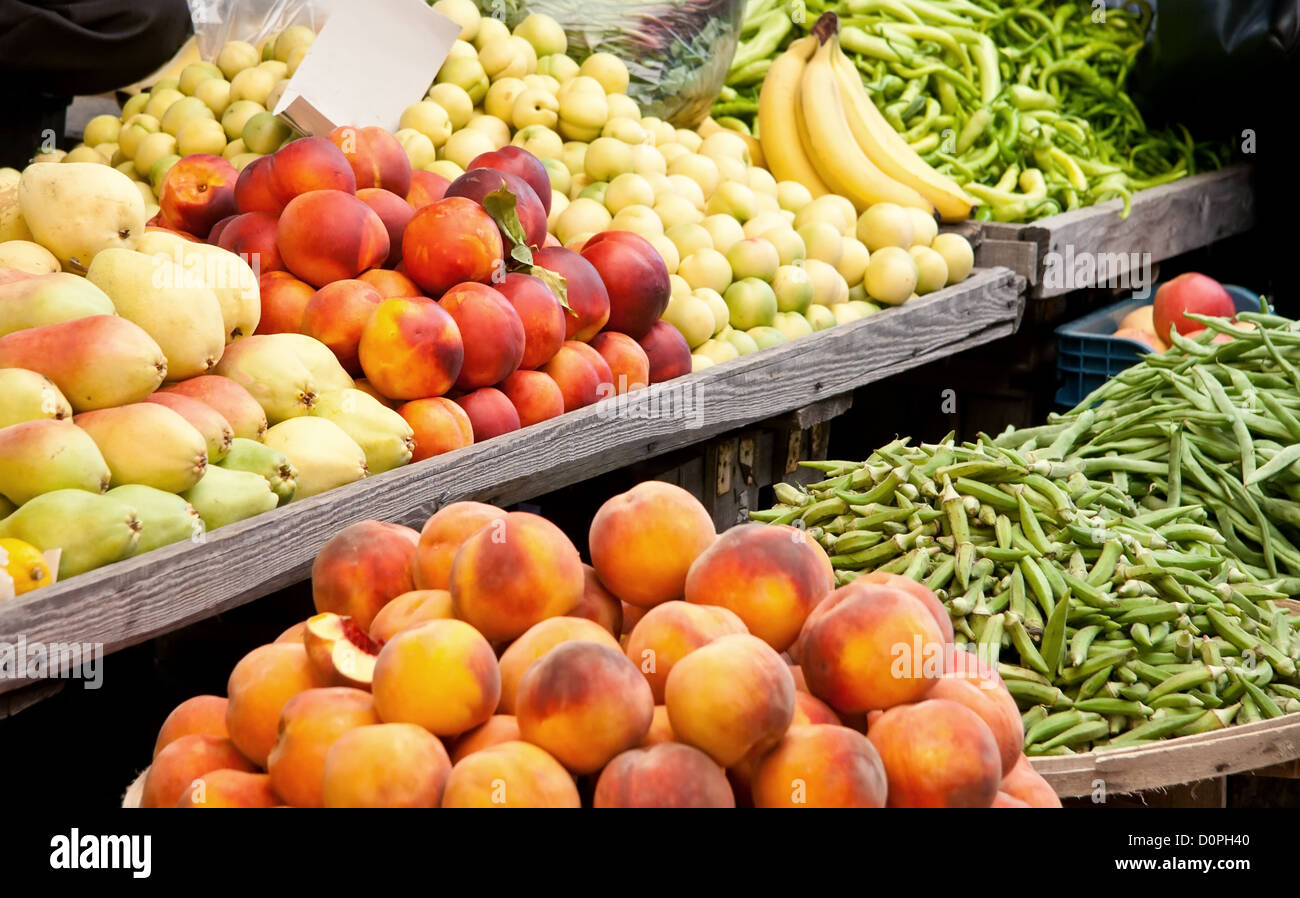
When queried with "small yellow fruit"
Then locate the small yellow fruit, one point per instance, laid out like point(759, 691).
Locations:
point(623, 106)
point(215, 94)
point(932, 269)
point(583, 108)
point(924, 227)
point(102, 129)
point(607, 158)
point(134, 106)
point(236, 56)
point(489, 29)
point(500, 98)
point(201, 136)
point(628, 189)
point(183, 112)
point(25, 565)
point(558, 66)
point(544, 34)
point(464, 13)
point(493, 127)
point(677, 210)
point(430, 119)
point(291, 40)
point(891, 275)
point(508, 57)
point(161, 100)
point(84, 153)
point(608, 69)
point(885, 224)
point(853, 261)
point(540, 140)
point(957, 253)
point(583, 216)
point(237, 115)
point(463, 146)
point(536, 107)
point(455, 101)
point(151, 149)
point(419, 148)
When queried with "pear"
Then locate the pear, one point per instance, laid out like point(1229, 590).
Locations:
point(229, 276)
point(6, 507)
point(224, 496)
point(165, 518)
point(76, 209)
point(216, 430)
point(46, 455)
point(50, 299)
point(147, 443)
point(28, 256)
point(97, 362)
point(92, 529)
point(12, 226)
point(241, 411)
point(154, 293)
point(320, 360)
point(324, 455)
point(29, 396)
point(271, 464)
point(266, 366)
point(382, 433)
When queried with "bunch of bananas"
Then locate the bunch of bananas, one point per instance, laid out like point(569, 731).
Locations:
point(818, 127)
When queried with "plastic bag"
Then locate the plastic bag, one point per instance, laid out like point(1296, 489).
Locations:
point(677, 51)
point(219, 21)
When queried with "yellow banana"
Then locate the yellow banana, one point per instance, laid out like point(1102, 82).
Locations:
point(832, 147)
point(886, 148)
point(778, 104)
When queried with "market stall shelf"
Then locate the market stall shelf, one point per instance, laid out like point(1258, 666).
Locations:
point(140, 598)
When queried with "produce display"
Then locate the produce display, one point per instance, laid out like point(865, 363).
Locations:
point(651, 678)
point(1023, 103)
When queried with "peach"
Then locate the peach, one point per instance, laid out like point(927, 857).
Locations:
point(508, 576)
point(767, 575)
point(491, 413)
point(229, 788)
point(869, 647)
point(284, 299)
point(535, 396)
point(821, 766)
point(990, 699)
point(440, 426)
point(1004, 800)
point(341, 652)
point(330, 235)
point(808, 709)
point(294, 633)
point(522, 164)
point(912, 587)
point(426, 187)
point(253, 236)
point(182, 761)
point(306, 165)
point(661, 729)
point(584, 291)
point(197, 192)
point(336, 315)
point(635, 277)
point(629, 365)
point(539, 312)
point(479, 184)
point(395, 212)
point(259, 686)
point(441, 675)
point(376, 157)
point(253, 189)
point(214, 235)
point(362, 568)
point(389, 283)
point(599, 604)
point(203, 715)
point(442, 536)
point(585, 703)
point(450, 241)
point(409, 610)
point(491, 330)
point(731, 697)
point(1025, 783)
point(510, 775)
point(499, 728)
point(310, 724)
point(666, 348)
point(385, 765)
point(578, 379)
point(671, 631)
point(644, 541)
point(604, 376)
point(632, 615)
point(536, 642)
point(937, 754)
point(668, 775)
point(411, 349)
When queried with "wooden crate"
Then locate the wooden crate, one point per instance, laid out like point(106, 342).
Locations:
point(140, 598)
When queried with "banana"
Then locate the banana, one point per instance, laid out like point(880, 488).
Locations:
point(778, 125)
point(887, 149)
point(834, 151)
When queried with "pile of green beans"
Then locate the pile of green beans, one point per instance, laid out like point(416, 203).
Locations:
point(1023, 103)
point(1111, 625)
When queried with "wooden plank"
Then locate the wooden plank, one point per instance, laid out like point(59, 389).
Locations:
point(1232, 750)
point(137, 599)
point(815, 413)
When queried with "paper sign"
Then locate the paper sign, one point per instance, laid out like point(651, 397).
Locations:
point(370, 61)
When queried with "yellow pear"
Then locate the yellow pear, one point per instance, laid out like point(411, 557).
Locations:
point(324, 455)
point(29, 396)
point(266, 366)
point(385, 437)
point(46, 455)
point(27, 256)
point(320, 360)
point(49, 299)
point(92, 529)
point(169, 303)
point(12, 226)
point(76, 209)
point(149, 444)
point(225, 273)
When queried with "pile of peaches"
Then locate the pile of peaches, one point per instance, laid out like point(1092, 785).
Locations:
point(470, 323)
point(480, 663)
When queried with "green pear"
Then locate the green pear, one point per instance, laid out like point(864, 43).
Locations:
point(267, 367)
point(224, 496)
point(92, 529)
point(46, 455)
point(382, 433)
point(76, 209)
point(149, 444)
point(261, 459)
point(165, 518)
point(324, 455)
point(229, 276)
point(49, 299)
point(156, 294)
point(29, 396)
point(320, 360)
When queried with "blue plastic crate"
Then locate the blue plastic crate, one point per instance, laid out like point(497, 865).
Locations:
point(1087, 353)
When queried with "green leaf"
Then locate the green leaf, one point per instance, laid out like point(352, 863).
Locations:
point(500, 204)
point(558, 285)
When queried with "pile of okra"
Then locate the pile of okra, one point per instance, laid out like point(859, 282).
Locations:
point(1113, 622)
